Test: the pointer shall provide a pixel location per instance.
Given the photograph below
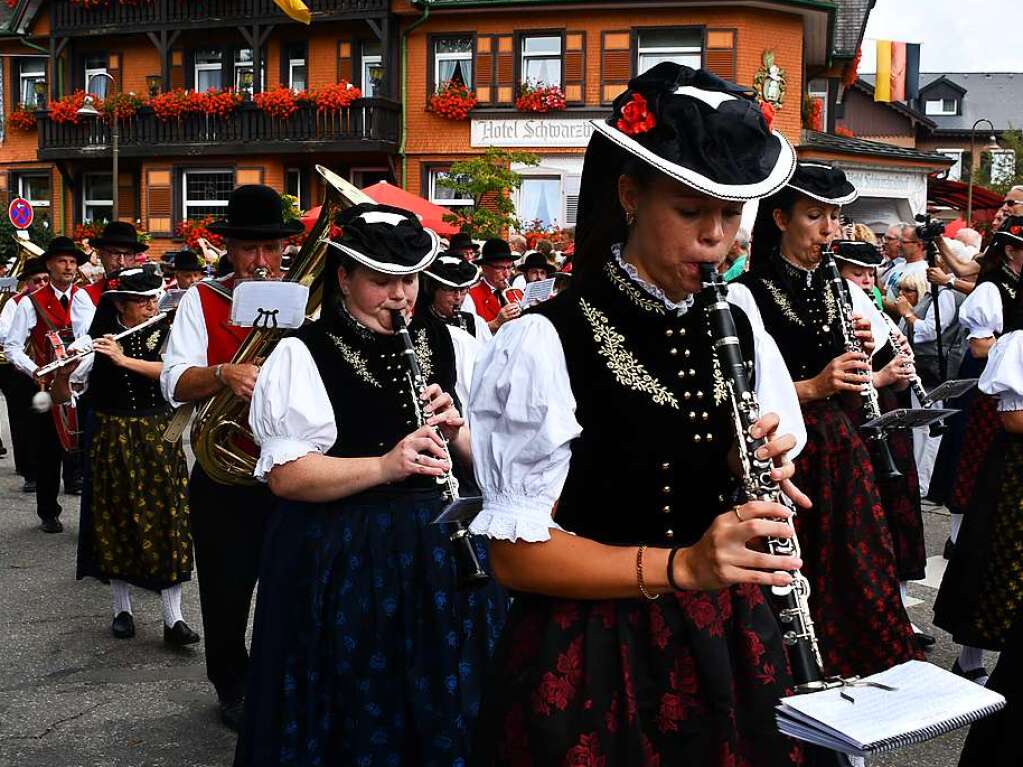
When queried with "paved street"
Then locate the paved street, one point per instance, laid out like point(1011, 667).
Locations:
point(73, 696)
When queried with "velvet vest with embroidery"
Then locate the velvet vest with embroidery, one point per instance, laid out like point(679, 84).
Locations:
point(1007, 284)
point(50, 315)
point(118, 391)
point(651, 463)
point(800, 313)
point(365, 378)
point(223, 337)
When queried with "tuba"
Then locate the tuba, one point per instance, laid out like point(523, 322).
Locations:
point(26, 250)
point(221, 438)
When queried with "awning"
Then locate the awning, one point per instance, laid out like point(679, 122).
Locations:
point(953, 194)
point(430, 214)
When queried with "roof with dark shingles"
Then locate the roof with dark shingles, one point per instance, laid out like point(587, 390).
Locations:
point(832, 142)
point(849, 25)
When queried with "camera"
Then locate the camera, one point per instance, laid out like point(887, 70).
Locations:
point(929, 228)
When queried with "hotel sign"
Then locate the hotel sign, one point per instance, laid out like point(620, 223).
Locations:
point(531, 133)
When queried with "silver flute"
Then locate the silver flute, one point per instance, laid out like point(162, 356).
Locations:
point(74, 357)
point(794, 599)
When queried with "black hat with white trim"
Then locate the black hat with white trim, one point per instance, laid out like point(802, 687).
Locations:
point(135, 282)
point(1010, 232)
point(694, 127)
point(823, 183)
point(857, 252)
point(451, 271)
point(386, 239)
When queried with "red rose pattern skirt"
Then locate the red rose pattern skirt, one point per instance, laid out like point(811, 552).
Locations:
point(981, 426)
point(688, 679)
point(847, 550)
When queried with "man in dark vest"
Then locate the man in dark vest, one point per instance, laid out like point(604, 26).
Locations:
point(487, 298)
point(117, 247)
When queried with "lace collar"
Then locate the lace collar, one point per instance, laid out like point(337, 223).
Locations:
point(679, 307)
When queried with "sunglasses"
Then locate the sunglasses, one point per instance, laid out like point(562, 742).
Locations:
point(1010, 203)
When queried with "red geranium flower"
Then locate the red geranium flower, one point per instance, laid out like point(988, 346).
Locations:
point(767, 108)
point(636, 118)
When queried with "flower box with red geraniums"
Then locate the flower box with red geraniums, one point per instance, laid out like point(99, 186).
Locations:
point(539, 98)
point(192, 230)
point(65, 110)
point(88, 231)
point(279, 102)
point(334, 98)
point(124, 106)
point(175, 104)
point(453, 101)
point(22, 119)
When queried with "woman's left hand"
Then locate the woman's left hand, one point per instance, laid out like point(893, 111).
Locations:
point(776, 450)
point(864, 333)
point(108, 347)
point(439, 409)
point(899, 371)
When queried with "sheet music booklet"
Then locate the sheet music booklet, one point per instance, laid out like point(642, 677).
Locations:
point(269, 303)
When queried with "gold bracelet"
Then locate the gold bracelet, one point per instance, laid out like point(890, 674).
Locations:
point(639, 575)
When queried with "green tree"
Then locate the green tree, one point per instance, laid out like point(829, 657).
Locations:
point(488, 181)
point(1012, 140)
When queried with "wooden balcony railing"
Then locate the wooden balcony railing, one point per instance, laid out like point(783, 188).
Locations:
point(370, 124)
point(71, 19)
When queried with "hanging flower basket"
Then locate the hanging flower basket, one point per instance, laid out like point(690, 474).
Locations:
point(65, 110)
point(334, 98)
point(539, 98)
point(453, 101)
point(279, 102)
point(191, 231)
point(22, 119)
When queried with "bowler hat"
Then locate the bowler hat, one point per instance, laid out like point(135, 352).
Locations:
point(183, 261)
point(255, 212)
point(32, 267)
point(119, 234)
point(64, 246)
point(496, 249)
point(536, 260)
point(462, 241)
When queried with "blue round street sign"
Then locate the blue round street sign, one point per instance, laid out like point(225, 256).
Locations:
point(20, 213)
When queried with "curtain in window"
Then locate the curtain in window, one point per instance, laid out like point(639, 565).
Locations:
point(540, 200)
point(458, 70)
point(542, 71)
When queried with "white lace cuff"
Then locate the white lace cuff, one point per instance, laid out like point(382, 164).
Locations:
point(277, 450)
point(515, 518)
point(1011, 403)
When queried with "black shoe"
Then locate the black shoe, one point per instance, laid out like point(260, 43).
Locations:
point(978, 675)
point(3, 451)
point(950, 549)
point(924, 641)
point(180, 635)
point(29, 486)
point(51, 526)
point(75, 488)
point(123, 626)
point(231, 714)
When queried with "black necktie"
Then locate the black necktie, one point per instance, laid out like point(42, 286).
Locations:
point(64, 302)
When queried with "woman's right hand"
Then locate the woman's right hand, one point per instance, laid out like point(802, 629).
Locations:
point(722, 556)
point(846, 372)
point(421, 452)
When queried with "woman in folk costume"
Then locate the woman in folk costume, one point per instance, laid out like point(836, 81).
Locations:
point(443, 289)
point(974, 598)
point(134, 527)
point(850, 560)
point(365, 650)
point(601, 437)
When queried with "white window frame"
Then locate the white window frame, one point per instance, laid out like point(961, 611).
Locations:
point(356, 174)
point(544, 175)
point(463, 56)
point(91, 74)
point(367, 62)
point(937, 107)
point(292, 64)
point(94, 202)
point(208, 66)
point(955, 172)
point(434, 174)
point(239, 66)
point(185, 204)
point(681, 51)
point(817, 93)
point(1009, 171)
point(297, 173)
point(29, 79)
point(23, 188)
point(560, 56)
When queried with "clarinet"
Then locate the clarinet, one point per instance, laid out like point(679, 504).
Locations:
point(470, 572)
point(915, 383)
point(871, 407)
point(794, 600)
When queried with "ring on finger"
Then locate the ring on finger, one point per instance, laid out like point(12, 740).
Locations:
point(738, 513)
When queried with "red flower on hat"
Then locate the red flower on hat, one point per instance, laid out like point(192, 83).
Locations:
point(1015, 229)
point(767, 109)
point(112, 284)
point(636, 118)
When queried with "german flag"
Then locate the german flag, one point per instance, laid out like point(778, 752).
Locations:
point(898, 71)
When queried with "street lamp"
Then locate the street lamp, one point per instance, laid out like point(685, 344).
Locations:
point(88, 109)
point(973, 151)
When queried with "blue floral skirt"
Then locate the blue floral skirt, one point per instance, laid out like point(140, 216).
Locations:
point(364, 651)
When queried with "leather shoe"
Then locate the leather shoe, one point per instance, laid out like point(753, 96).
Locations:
point(51, 526)
point(179, 635)
point(950, 549)
point(924, 641)
point(231, 714)
point(75, 488)
point(977, 675)
point(29, 486)
point(123, 626)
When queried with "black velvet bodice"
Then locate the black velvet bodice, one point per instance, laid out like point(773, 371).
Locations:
point(1007, 284)
point(118, 391)
point(365, 378)
point(651, 463)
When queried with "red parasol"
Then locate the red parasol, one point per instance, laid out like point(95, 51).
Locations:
point(429, 213)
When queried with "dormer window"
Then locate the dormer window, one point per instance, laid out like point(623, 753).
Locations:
point(942, 107)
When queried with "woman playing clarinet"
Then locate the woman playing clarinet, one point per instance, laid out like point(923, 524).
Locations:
point(602, 437)
point(365, 650)
point(847, 547)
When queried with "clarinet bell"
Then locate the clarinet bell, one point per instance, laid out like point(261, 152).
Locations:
point(471, 574)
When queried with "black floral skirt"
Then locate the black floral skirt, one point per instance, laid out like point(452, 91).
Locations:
point(847, 550)
point(134, 513)
point(982, 425)
point(981, 594)
point(688, 679)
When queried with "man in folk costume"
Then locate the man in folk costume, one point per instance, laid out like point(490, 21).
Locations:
point(62, 307)
point(227, 520)
point(487, 299)
point(117, 248)
point(185, 267)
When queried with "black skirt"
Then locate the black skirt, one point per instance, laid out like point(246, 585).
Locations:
point(688, 679)
point(982, 425)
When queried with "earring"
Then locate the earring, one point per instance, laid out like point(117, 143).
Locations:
point(630, 217)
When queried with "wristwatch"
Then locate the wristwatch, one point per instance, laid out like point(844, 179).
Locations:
point(217, 373)
point(951, 282)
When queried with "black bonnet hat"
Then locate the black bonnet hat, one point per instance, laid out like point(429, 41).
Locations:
point(386, 239)
point(451, 270)
point(1011, 232)
point(823, 183)
point(64, 246)
point(857, 252)
point(694, 127)
point(32, 267)
point(255, 212)
point(119, 234)
point(139, 281)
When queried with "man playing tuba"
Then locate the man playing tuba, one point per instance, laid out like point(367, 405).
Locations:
point(227, 520)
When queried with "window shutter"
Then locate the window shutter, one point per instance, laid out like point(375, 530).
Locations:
point(719, 53)
point(158, 200)
point(615, 63)
point(344, 60)
point(126, 208)
point(484, 69)
point(227, 66)
point(504, 58)
point(177, 68)
point(115, 71)
point(574, 67)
